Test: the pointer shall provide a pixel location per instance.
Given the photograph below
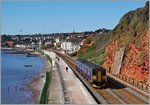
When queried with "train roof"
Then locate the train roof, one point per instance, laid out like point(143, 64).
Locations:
point(88, 63)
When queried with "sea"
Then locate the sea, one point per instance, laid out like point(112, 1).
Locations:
point(15, 77)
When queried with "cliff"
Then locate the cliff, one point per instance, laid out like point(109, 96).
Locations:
point(132, 33)
point(124, 50)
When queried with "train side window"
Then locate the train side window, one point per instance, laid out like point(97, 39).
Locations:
point(82, 67)
point(88, 72)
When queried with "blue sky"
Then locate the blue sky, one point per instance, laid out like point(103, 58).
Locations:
point(56, 17)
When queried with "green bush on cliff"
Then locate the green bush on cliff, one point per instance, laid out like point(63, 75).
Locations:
point(88, 40)
point(89, 52)
point(101, 57)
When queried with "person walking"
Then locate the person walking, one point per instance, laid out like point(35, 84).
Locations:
point(66, 69)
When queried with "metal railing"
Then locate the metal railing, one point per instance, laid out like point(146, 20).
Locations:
point(133, 82)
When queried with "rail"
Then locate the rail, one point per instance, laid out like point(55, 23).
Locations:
point(101, 95)
point(98, 98)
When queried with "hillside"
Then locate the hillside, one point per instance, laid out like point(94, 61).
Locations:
point(125, 49)
point(94, 46)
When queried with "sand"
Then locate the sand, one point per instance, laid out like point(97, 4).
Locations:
point(36, 85)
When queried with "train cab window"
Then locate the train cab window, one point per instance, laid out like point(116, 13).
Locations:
point(94, 72)
point(94, 76)
point(103, 72)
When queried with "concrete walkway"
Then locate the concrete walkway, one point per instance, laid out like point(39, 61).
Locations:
point(55, 88)
point(67, 86)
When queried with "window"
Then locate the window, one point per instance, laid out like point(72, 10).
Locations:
point(94, 72)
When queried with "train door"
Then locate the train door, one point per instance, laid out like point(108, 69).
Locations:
point(104, 78)
point(94, 77)
point(99, 79)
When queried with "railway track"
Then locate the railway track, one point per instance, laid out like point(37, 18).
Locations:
point(119, 90)
point(124, 94)
point(108, 97)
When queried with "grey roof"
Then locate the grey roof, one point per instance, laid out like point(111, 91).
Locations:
point(88, 63)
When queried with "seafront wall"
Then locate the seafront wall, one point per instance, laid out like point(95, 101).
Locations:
point(55, 87)
point(65, 87)
point(45, 91)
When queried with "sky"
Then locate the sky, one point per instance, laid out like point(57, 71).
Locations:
point(46, 17)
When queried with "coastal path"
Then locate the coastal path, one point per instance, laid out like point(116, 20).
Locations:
point(65, 87)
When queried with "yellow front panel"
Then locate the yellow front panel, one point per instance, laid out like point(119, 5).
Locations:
point(94, 77)
point(99, 76)
point(104, 78)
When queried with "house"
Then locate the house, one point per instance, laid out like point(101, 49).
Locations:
point(48, 43)
point(57, 40)
point(71, 45)
point(20, 46)
point(67, 46)
point(9, 43)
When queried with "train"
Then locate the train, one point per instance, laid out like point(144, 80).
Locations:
point(93, 73)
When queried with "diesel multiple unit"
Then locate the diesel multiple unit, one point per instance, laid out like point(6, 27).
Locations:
point(95, 74)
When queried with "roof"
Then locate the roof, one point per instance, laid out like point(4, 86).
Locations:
point(88, 63)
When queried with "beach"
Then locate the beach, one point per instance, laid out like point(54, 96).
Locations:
point(36, 85)
point(21, 82)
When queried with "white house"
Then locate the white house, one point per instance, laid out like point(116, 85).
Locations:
point(57, 40)
point(67, 46)
point(48, 43)
point(20, 46)
point(70, 47)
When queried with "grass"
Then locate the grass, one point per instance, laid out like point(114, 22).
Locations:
point(89, 52)
point(91, 47)
point(49, 58)
point(88, 40)
point(117, 38)
point(45, 93)
point(88, 55)
point(96, 52)
point(101, 57)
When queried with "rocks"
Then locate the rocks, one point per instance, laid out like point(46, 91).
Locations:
point(135, 60)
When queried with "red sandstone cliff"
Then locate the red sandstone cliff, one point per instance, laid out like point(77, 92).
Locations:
point(132, 33)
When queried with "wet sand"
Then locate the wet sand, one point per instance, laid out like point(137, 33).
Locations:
point(36, 85)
